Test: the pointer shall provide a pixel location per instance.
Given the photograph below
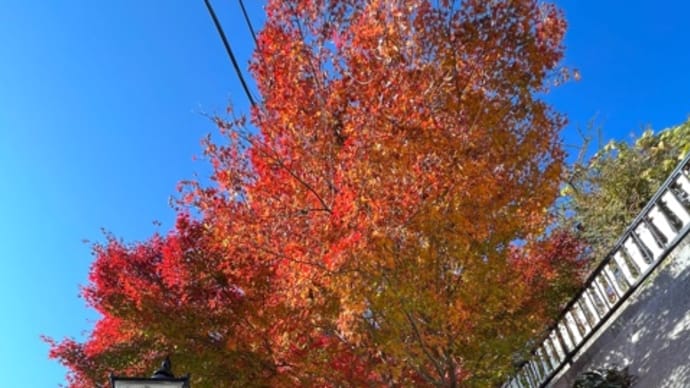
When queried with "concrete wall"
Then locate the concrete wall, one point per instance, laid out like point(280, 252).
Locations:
point(650, 334)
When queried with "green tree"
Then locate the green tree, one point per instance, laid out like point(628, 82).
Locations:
point(606, 192)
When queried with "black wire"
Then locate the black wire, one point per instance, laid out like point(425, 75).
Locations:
point(249, 22)
point(228, 49)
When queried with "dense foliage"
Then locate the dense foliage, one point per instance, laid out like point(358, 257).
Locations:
point(605, 378)
point(610, 189)
point(381, 219)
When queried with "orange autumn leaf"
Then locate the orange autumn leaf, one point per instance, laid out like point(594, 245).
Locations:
point(379, 221)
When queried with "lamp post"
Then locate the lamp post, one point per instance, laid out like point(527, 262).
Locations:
point(162, 378)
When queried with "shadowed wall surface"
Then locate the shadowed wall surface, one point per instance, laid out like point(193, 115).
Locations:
point(650, 333)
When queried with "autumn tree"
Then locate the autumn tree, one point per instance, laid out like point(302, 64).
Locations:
point(380, 218)
point(605, 192)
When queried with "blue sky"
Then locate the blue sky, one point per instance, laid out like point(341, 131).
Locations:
point(101, 112)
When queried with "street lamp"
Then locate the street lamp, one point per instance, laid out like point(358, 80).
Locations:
point(162, 378)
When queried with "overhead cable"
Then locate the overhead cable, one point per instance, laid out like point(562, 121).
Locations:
point(249, 22)
point(228, 49)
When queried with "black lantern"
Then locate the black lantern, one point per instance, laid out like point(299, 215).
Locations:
point(162, 378)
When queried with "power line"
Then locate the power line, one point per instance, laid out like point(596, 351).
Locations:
point(228, 49)
point(249, 22)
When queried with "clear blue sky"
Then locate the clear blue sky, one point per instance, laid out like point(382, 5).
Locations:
point(101, 112)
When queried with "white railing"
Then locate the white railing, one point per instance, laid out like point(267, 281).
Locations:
point(651, 236)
